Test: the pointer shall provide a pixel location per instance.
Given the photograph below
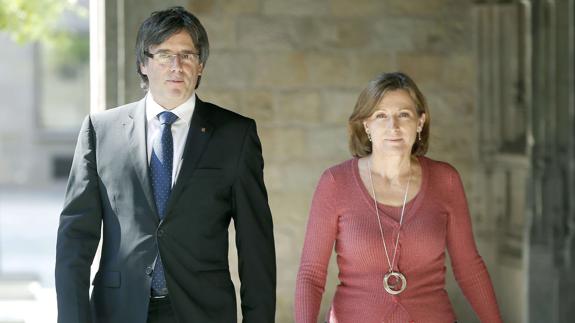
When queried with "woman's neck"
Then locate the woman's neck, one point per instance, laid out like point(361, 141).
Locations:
point(391, 168)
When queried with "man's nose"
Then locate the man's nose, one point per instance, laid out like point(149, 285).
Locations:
point(176, 63)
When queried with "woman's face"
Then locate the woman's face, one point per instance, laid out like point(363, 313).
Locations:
point(394, 124)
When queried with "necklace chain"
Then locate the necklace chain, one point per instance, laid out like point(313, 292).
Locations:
point(389, 262)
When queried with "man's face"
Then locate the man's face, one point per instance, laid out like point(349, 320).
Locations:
point(172, 81)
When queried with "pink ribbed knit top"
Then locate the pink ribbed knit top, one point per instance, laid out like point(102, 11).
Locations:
point(437, 219)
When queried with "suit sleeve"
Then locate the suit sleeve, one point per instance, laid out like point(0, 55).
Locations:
point(78, 232)
point(254, 234)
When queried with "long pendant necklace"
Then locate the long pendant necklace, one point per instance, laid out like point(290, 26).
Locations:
point(394, 282)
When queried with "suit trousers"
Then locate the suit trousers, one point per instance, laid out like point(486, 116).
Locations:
point(160, 311)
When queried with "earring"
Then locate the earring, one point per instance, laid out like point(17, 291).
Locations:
point(368, 134)
point(419, 135)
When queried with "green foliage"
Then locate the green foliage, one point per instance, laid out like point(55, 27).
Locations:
point(76, 49)
point(36, 20)
point(69, 54)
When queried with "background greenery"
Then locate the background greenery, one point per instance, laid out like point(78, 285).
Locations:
point(37, 20)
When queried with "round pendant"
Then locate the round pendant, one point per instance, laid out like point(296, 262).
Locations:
point(394, 282)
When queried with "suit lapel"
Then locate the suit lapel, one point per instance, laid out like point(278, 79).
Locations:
point(198, 136)
point(135, 126)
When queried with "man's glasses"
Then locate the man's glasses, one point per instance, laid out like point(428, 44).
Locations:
point(168, 59)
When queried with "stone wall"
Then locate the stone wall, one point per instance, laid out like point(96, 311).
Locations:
point(297, 67)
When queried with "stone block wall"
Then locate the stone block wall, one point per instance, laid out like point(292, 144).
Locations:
point(297, 67)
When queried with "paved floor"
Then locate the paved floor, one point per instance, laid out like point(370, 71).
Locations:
point(28, 225)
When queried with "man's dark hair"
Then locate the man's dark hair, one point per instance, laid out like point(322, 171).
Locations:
point(163, 24)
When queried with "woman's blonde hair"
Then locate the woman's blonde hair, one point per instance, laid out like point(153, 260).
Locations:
point(359, 144)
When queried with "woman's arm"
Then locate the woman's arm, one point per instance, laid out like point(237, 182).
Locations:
point(318, 245)
point(468, 267)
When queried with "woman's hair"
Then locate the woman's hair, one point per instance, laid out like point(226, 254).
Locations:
point(376, 89)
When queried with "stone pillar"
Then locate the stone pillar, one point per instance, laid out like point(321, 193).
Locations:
point(531, 68)
point(552, 213)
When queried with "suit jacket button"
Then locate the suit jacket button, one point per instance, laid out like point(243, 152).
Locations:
point(149, 270)
point(160, 232)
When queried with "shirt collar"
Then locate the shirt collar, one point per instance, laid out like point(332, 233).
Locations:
point(184, 111)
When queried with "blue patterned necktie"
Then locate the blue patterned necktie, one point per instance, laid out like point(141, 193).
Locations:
point(161, 165)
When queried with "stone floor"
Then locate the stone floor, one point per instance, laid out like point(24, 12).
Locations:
point(28, 225)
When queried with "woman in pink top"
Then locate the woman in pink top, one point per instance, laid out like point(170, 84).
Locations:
point(391, 213)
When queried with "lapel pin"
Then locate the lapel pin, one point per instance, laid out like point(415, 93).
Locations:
point(203, 129)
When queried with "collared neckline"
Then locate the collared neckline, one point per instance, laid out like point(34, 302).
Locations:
point(184, 111)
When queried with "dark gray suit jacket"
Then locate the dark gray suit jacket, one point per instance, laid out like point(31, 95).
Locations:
point(109, 189)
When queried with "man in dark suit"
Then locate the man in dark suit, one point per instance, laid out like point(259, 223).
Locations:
point(161, 179)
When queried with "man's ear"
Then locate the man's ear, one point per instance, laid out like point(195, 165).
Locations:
point(143, 69)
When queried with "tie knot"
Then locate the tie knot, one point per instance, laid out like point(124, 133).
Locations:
point(167, 117)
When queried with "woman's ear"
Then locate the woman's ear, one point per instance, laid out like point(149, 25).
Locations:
point(421, 121)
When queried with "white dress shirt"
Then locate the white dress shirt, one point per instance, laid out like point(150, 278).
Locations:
point(180, 128)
